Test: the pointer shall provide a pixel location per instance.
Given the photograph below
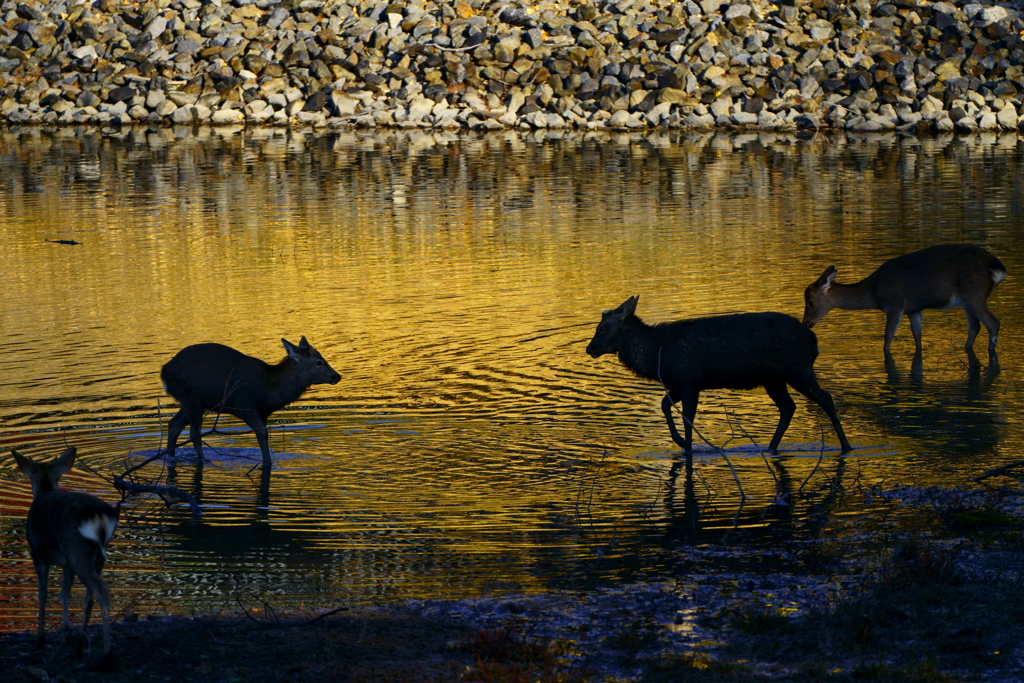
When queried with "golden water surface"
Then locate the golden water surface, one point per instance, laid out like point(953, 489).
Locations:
point(454, 281)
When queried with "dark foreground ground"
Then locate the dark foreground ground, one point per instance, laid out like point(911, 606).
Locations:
point(920, 611)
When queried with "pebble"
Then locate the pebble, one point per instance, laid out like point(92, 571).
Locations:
point(588, 64)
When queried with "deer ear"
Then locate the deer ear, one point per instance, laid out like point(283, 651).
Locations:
point(62, 465)
point(292, 350)
point(303, 344)
point(628, 306)
point(828, 278)
point(25, 464)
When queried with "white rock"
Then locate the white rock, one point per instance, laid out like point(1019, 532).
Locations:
point(343, 104)
point(699, 121)
point(966, 123)
point(317, 119)
point(1007, 117)
point(154, 98)
point(165, 108)
point(222, 116)
point(736, 11)
point(619, 119)
point(156, 27)
point(419, 108)
point(555, 121)
point(85, 51)
point(988, 121)
point(183, 115)
point(721, 106)
point(767, 119)
point(993, 14)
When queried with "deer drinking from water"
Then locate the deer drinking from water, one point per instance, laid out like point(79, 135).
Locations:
point(71, 530)
point(216, 377)
point(945, 276)
point(740, 351)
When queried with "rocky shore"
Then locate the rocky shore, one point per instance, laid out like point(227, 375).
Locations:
point(591, 64)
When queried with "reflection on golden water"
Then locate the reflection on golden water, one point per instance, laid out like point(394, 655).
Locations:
point(453, 281)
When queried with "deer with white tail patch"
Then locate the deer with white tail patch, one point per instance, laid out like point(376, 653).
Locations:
point(69, 529)
point(944, 276)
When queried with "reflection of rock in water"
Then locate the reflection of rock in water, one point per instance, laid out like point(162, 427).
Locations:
point(951, 417)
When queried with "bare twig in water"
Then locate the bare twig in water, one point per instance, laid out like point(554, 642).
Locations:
point(778, 484)
point(582, 487)
point(743, 496)
point(821, 455)
point(645, 513)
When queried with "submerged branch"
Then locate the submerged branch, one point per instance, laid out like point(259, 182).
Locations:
point(998, 470)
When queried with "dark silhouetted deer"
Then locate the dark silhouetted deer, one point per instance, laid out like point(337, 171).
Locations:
point(946, 276)
point(71, 530)
point(741, 351)
point(216, 377)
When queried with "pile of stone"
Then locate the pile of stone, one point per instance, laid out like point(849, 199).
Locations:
point(587, 64)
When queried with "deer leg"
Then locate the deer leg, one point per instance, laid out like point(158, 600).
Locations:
point(259, 426)
point(42, 577)
point(671, 398)
point(973, 327)
point(87, 566)
point(195, 428)
point(65, 594)
point(991, 323)
point(892, 321)
point(809, 387)
point(778, 393)
point(174, 428)
point(915, 328)
point(95, 585)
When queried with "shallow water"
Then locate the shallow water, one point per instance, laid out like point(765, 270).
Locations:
point(454, 281)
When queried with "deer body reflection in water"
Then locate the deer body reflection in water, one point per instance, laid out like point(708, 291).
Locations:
point(741, 351)
point(206, 377)
point(944, 276)
point(70, 529)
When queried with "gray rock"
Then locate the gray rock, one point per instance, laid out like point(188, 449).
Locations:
point(1007, 117)
point(183, 115)
point(736, 11)
point(987, 121)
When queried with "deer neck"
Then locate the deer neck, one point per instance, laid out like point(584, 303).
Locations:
point(43, 485)
point(640, 350)
point(283, 385)
point(852, 297)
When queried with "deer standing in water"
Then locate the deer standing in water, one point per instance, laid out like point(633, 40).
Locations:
point(70, 529)
point(945, 276)
point(213, 376)
point(741, 351)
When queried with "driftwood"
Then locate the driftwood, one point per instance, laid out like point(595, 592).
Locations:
point(161, 490)
point(998, 470)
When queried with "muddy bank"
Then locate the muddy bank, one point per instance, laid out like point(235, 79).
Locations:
point(903, 606)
